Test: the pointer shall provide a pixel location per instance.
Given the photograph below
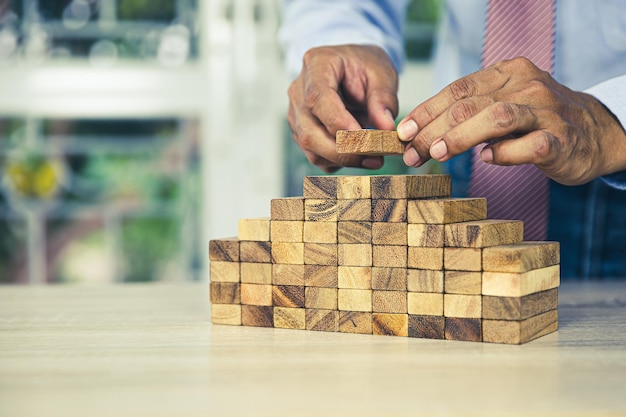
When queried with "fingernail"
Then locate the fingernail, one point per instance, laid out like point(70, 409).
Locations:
point(372, 163)
point(390, 115)
point(487, 155)
point(411, 158)
point(439, 150)
point(407, 129)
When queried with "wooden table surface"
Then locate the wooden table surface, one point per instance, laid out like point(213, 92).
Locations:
point(150, 350)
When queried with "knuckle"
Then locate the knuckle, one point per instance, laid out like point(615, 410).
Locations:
point(312, 96)
point(504, 115)
point(462, 88)
point(460, 111)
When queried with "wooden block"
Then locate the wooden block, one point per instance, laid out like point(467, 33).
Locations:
point(521, 257)
point(288, 208)
point(389, 211)
point(355, 322)
point(254, 229)
point(461, 305)
point(354, 300)
point(324, 298)
point(426, 235)
point(320, 276)
point(289, 318)
point(424, 280)
point(229, 314)
point(320, 187)
point(286, 231)
point(448, 210)
point(389, 301)
point(425, 258)
point(224, 271)
point(256, 273)
point(426, 327)
point(224, 249)
point(288, 296)
point(225, 293)
point(518, 332)
point(257, 316)
point(354, 254)
point(353, 187)
point(256, 294)
point(462, 282)
point(389, 324)
point(321, 210)
point(322, 320)
point(520, 308)
point(386, 278)
point(369, 142)
point(410, 186)
point(506, 284)
point(320, 254)
point(484, 233)
point(354, 210)
point(469, 330)
point(389, 233)
point(358, 277)
point(251, 251)
point(283, 274)
point(425, 304)
point(354, 232)
point(288, 253)
point(462, 259)
point(389, 256)
point(320, 232)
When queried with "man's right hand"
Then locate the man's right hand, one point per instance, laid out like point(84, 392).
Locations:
point(341, 88)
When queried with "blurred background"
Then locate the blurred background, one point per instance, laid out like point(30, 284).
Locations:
point(133, 131)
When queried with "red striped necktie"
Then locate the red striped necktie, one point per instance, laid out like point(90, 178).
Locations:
point(516, 28)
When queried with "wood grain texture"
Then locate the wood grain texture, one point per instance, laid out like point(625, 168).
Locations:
point(256, 273)
point(389, 210)
point(320, 276)
point(391, 256)
point(257, 316)
point(425, 280)
point(462, 305)
point(354, 300)
point(389, 233)
point(425, 235)
point(448, 210)
point(387, 278)
point(369, 142)
point(353, 187)
point(354, 232)
point(506, 284)
point(320, 210)
point(521, 257)
point(355, 322)
point(425, 258)
point(254, 229)
point(520, 308)
point(354, 210)
point(289, 318)
point(288, 208)
point(318, 297)
point(425, 304)
point(484, 233)
point(354, 254)
point(390, 324)
point(462, 282)
point(225, 293)
point(322, 320)
point(320, 187)
point(320, 232)
point(251, 251)
point(410, 186)
point(288, 296)
point(320, 254)
point(288, 253)
point(224, 271)
point(226, 249)
point(463, 259)
point(229, 314)
point(256, 294)
point(384, 301)
point(358, 277)
point(286, 231)
point(426, 327)
point(468, 330)
point(523, 331)
point(284, 274)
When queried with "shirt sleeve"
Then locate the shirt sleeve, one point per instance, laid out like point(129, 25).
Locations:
point(612, 93)
point(308, 24)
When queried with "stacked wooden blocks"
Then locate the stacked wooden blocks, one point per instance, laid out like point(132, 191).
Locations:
point(387, 255)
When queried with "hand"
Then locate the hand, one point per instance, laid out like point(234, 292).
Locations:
point(341, 87)
point(526, 117)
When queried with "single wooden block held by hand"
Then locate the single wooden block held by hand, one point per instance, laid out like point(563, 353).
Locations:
point(369, 142)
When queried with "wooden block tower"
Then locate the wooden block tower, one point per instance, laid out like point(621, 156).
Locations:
point(386, 255)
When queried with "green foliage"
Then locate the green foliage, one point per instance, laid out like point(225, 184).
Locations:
point(156, 10)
